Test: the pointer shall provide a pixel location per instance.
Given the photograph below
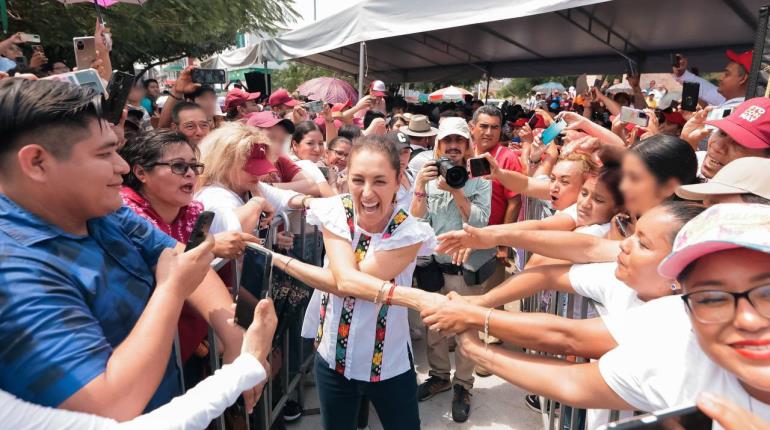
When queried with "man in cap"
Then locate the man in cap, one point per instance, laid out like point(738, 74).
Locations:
point(240, 103)
point(744, 133)
point(745, 180)
point(286, 106)
point(732, 84)
point(447, 209)
point(422, 136)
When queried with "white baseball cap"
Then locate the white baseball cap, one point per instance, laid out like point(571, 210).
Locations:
point(746, 175)
point(453, 125)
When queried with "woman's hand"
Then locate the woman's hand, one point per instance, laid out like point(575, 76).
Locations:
point(184, 83)
point(230, 244)
point(450, 318)
point(468, 237)
point(467, 341)
point(284, 240)
point(729, 415)
point(429, 301)
point(180, 274)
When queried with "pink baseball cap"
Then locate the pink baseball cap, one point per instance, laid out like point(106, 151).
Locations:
point(282, 97)
point(237, 97)
point(719, 228)
point(748, 124)
point(378, 89)
point(267, 119)
point(257, 163)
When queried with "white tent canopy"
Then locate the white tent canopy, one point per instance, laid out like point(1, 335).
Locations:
point(410, 41)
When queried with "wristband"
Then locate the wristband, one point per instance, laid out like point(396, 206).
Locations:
point(286, 266)
point(390, 294)
point(378, 298)
point(486, 328)
point(420, 195)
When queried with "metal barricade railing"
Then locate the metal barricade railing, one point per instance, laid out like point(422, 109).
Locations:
point(556, 416)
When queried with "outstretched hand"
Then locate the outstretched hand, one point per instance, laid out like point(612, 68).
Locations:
point(182, 273)
point(729, 415)
point(468, 237)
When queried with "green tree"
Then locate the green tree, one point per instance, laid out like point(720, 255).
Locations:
point(158, 32)
point(520, 87)
point(297, 73)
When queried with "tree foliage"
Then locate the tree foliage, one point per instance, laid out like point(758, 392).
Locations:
point(520, 87)
point(155, 33)
point(297, 73)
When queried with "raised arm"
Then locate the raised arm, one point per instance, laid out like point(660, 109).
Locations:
point(518, 182)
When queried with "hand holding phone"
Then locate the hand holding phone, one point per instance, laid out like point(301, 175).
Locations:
point(85, 51)
point(209, 76)
point(29, 38)
point(201, 229)
point(690, 94)
point(315, 106)
point(117, 92)
point(634, 116)
point(553, 130)
point(479, 167)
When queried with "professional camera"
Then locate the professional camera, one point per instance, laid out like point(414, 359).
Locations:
point(455, 176)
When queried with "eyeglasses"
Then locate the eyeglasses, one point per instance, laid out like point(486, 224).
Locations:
point(715, 307)
point(180, 167)
point(340, 154)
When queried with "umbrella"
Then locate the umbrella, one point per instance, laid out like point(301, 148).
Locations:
point(548, 87)
point(330, 90)
point(620, 88)
point(450, 93)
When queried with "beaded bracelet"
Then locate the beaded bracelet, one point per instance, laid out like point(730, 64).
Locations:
point(420, 195)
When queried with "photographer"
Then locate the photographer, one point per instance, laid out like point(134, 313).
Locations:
point(447, 208)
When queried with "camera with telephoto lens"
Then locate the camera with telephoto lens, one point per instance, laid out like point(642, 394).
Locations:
point(455, 176)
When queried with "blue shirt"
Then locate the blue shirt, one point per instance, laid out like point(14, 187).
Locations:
point(66, 301)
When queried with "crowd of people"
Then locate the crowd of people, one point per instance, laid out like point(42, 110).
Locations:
point(665, 228)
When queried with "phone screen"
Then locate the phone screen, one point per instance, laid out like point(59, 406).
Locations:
point(532, 122)
point(690, 92)
point(690, 418)
point(553, 130)
point(117, 90)
point(201, 229)
point(480, 167)
point(209, 76)
point(254, 285)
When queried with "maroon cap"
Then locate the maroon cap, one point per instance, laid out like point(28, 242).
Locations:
point(282, 97)
point(237, 97)
point(257, 163)
point(743, 58)
point(267, 119)
point(749, 124)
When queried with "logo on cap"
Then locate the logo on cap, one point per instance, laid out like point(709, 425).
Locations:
point(401, 137)
point(753, 113)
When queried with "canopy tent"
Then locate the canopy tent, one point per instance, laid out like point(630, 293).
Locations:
point(458, 40)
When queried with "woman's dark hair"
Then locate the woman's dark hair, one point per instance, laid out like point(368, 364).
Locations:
point(203, 89)
point(147, 82)
point(338, 140)
point(377, 143)
point(610, 175)
point(682, 212)
point(302, 129)
point(147, 148)
point(370, 116)
point(349, 131)
point(668, 157)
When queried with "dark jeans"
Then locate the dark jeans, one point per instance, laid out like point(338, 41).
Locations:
point(394, 399)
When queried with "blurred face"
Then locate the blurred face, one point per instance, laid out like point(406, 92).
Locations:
point(311, 147)
point(249, 107)
point(642, 252)
point(194, 125)
point(338, 156)
point(717, 199)
point(731, 83)
point(486, 132)
point(161, 184)
point(277, 135)
point(722, 149)
point(566, 180)
point(454, 147)
point(373, 184)
point(136, 95)
point(742, 344)
point(595, 204)
point(640, 188)
point(424, 141)
point(398, 124)
point(403, 158)
point(153, 90)
point(88, 183)
point(207, 101)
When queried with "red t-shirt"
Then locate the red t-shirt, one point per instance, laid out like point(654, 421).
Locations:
point(507, 159)
point(287, 170)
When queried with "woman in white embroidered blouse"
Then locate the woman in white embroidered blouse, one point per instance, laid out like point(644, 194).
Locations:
point(364, 345)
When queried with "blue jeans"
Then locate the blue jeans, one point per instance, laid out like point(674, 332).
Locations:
point(394, 399)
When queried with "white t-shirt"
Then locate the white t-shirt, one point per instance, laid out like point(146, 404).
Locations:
point(666, 368)
point(571, 211)
point(637, 322)
point(597, 281)
point(598, 230)
point(416, 163)
point(312, 170)
point(222, 201)
point(328, 213)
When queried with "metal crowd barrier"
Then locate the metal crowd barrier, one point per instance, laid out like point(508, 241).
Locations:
point(555, 415)
point(296, 356)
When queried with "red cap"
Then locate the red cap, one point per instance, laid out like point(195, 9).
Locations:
point(282, 97)
point(378, 89)
point(674, 117)
point(749, 124)
point(520, 122)
point(339, 107)
point(267, 119)
point(237, 97)
point(744, 58)
point(257, 163)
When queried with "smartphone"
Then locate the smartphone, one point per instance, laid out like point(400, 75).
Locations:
point(479, 167)
point(262, 232)
point(209, 76)
point(634, 116)
point(84, 78)
point(719, 113)
point(255, 283)
point(689, 418)
point(201, 229)
point(85, 51)
point(597, 83)
point(315, 106)
point(117, 93)
point(29, 38)
point(532, 121)
point(676, 59)
point(553, 130)
point(690, 91)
